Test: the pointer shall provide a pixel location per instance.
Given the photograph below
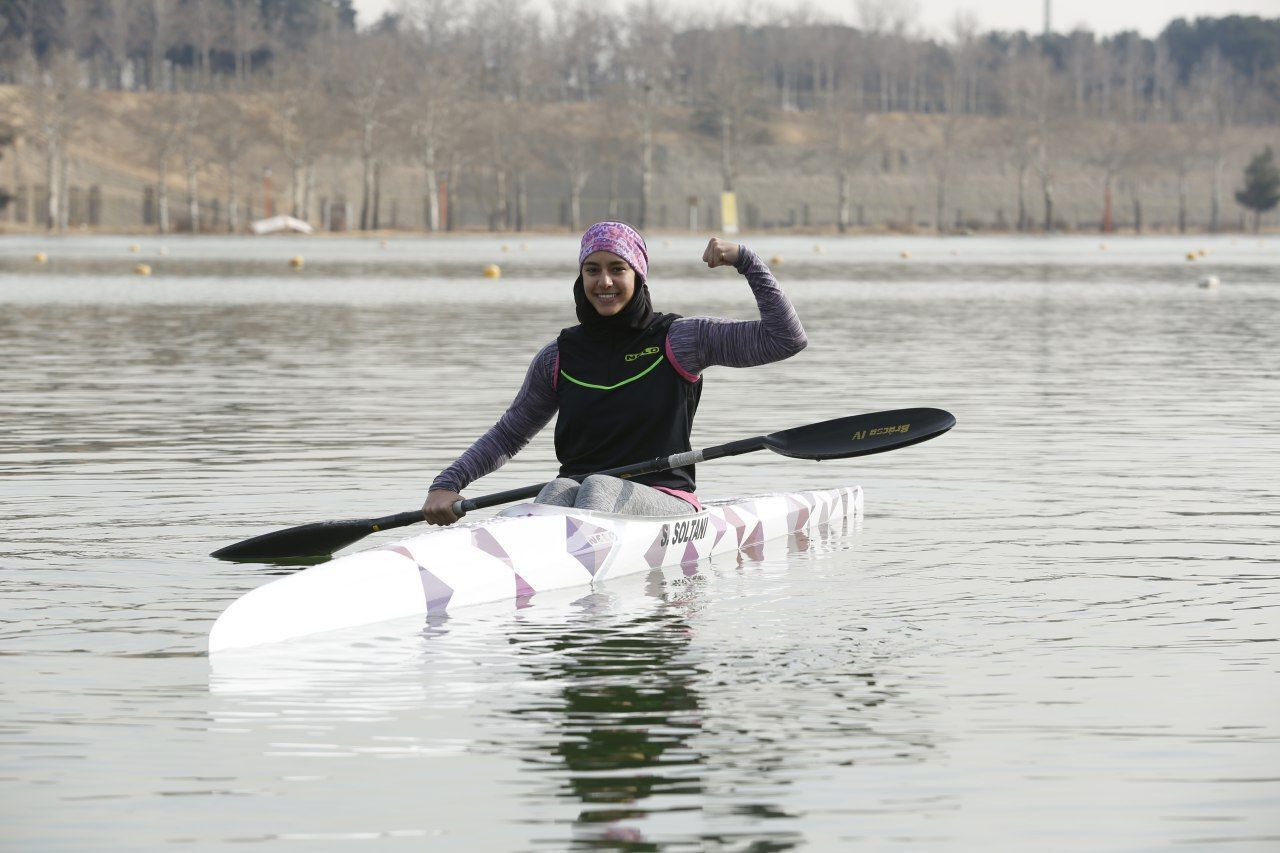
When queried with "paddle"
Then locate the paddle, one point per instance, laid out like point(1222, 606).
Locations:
point(858, 435)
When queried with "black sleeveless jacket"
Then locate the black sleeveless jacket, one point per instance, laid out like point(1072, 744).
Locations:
point(622, 401)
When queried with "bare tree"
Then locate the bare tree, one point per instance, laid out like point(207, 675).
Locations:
point(231, 127)
point(365, 75)
point(58, 105)
point(1217, 99)
point(192, 132)
point(161, 120)
point(1047, 136)
point(434, 110)
point(572, 141)
point(648, 58)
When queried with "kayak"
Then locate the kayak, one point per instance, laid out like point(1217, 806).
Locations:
point(526, 549)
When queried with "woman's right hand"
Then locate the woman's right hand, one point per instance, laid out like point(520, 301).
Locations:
point(438, 508)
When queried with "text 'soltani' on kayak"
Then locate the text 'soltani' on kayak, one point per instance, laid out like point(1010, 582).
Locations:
point(684, 531)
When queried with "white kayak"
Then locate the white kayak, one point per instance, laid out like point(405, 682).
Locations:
point(526, 549)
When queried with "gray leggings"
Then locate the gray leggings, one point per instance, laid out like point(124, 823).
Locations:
point(601, 493)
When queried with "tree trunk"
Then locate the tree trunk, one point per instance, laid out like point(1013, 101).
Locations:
point(646, 168)
point(940, 214)
point(369, 166)
point(501, 219)
point(1107, 222)
point(433, 199)
point(451, 197)
point(726, 150)
point(162, 198)
point(297, 179)
point(233, 198)
point(842, 201)
point(1047, 187)
point(1216, 191)
point(522, 201)
point(1182, 203)
point(309, 190)
point(51, 181)
point(1023, 219)
point(432, 180)
point(193, 199)
point(64, 182)
point(575, 204)
point(377, 195)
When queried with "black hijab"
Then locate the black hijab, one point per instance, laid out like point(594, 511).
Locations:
point(634, 317)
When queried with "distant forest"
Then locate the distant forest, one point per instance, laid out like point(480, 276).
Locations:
point(493, 93)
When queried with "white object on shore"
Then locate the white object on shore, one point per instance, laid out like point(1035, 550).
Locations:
point(1210, 282)
point(529, 548)
point(276, 224)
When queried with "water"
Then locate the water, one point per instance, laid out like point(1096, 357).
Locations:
point(1056, 626)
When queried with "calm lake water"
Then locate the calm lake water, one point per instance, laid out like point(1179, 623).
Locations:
point(1056, 627)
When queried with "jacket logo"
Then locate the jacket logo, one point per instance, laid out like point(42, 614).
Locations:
point(632, 356)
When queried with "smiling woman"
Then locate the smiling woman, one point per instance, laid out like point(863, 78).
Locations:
point(608, 282)
point(624, 383)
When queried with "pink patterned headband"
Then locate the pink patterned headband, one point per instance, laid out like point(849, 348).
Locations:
point(620, 239)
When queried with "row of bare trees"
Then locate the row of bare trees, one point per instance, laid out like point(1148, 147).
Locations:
point(480, 99)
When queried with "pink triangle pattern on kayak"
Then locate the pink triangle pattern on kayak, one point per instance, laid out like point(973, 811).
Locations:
point(588, 544)
point(485, 541)
point(435, 591)
point(689, 565)
point(718, 524)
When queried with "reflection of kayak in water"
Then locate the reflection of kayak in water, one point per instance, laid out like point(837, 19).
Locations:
point(525, 550)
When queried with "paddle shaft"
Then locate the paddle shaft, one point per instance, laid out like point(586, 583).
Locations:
point(841, 438)
point(661, 463)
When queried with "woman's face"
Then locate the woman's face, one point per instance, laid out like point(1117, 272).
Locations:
point(608, 281)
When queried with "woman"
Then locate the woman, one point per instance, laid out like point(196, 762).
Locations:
point(625, 381)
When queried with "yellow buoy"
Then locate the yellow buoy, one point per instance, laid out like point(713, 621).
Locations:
point(39, 257)
point(142, 269)
point(506, 248)
point(1191, 256)
point(135, 248)
point(1203, 252)
point(904, 254)
point(296, 262)
point(492, 271)
point(817, 248)
point(776, 260)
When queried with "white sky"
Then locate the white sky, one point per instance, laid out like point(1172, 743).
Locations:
point(1100, 16)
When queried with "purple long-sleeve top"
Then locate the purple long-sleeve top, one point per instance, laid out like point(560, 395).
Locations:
point(693, 345)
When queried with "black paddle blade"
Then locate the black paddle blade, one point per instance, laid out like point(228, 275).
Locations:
point(861, 435)
point(319, 539)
